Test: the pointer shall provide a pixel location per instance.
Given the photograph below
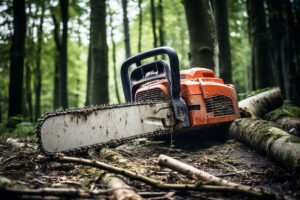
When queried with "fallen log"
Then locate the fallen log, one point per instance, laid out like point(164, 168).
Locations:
point(266, 137)
point(260, 104)
point(119, 189)
point(289, 124)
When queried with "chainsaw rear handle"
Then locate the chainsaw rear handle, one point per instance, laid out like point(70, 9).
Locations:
point(173, 77)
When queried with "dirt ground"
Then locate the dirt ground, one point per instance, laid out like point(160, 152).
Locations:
point(206, 150)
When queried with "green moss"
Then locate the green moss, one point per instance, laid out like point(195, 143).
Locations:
point(287, 109)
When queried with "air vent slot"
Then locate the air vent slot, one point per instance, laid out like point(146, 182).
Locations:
point(220, 105)
point(154, 94)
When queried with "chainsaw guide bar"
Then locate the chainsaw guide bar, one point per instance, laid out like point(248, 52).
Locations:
point(76, 130)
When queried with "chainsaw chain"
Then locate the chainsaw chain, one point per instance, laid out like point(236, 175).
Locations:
point(87, 110)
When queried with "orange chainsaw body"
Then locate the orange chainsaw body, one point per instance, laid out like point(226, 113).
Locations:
point(208, 99)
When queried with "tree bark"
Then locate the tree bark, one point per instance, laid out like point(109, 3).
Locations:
point(126, 29)
point(28, 89)
point(261, 65)
point(277, 33)
point(258, 105)
point(89, 79)
point(38, 83)
point(153, 20)
point(17, 59)
point(98, 53)
point(161, 27)
point(140, 26)
point(289, 124)
point(113, 44)
point(265, 136)
point(0, 108)
point(57, 88)
point(202, 33)
point(64, 11)
point(57, 64)
point(120, 190)
point(221, 18)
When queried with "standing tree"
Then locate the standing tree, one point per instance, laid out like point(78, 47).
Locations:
point(161, 28)
point(140, 26)
point(262, 73)
point(38, 82)
point(88, 80)
point(64, 12)
point(17, 59)
point(57, 64)
point(126, 29)
point(221, 18)
point(202, 34)
point(153, 19)
point(113, 44)
point(99, 65)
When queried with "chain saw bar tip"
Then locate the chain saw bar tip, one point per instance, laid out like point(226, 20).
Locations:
point(172, 75)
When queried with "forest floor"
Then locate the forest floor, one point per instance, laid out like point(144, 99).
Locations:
point(221, 157)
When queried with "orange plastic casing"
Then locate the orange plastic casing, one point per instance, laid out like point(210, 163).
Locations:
point(200, 89)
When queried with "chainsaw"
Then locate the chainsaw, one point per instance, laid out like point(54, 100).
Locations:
point(159, 100)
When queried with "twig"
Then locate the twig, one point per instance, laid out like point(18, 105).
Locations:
point(231, 174)
point(224, 163)
point(162, 185)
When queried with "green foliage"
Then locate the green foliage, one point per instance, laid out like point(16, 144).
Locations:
point(21, 130)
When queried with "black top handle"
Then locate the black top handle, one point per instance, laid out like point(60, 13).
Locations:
point(174, 72)
point(180, 108)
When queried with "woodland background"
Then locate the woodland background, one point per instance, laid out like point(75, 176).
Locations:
point(67, 53)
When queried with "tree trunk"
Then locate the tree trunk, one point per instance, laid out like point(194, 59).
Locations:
point(57, 88)
point(277, 32)
point(161, 27)
point(28, 89)
point(113, 44)
point(266, 137)
point(64, 11)
point(293, 78)
point(153, 19)
point(38, 83)
point(119, 189)
point(259, 45)
point(202, 32)
point(99, 53)
point(17, 59)
point(126, 29)
point(140, 26)
point(221, 18)
point(57, 64)
point(258, 105)
point(0, 109)
point(88, 80)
